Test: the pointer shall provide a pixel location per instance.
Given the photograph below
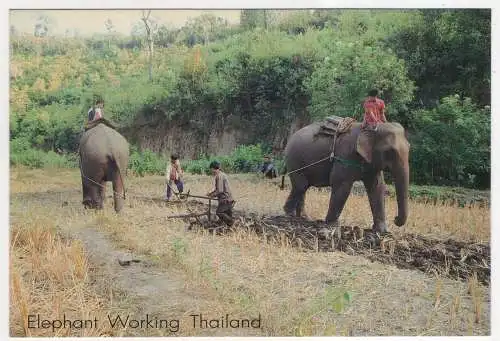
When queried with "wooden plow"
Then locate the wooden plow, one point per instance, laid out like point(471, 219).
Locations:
point(191, 214)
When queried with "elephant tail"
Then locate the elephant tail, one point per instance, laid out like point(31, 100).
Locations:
point(282, 187)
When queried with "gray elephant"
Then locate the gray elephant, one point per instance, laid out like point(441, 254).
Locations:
point(358, 155)
point(104, 156)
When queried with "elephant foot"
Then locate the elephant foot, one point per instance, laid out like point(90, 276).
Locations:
point(399, 221)
point(92, 204)
point(88, 204)
point(332, 223)
point(118, 208)
point(380, 228)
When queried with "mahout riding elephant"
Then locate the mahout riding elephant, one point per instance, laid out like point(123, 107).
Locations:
point(104, 156)
point(357, 156)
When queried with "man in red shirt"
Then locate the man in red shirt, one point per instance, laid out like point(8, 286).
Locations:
point(374, 110)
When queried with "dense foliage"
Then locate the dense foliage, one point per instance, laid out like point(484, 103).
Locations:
point(433, 67)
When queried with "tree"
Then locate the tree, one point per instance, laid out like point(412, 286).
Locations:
point(42, 26)
point(14, 38)
point(206, 27)
point(447, 51)
point(13, 31)
point(150, 26)
point(452, 144)
point(164, 36)
point(253, 18)
point(109, 26)
point(340, 82)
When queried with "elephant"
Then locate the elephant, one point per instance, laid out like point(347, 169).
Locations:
point(359, 155)
point(104, 156)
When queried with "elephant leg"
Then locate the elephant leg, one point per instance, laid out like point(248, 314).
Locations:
point(90, 194)
point(301, 200)
point(101, 195)
point(87, 199)
point(338, 198)
point(295, 202)
point(118, 191)
point(291, 203)
point(375, 188)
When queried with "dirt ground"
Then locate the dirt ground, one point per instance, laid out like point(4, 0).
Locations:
point(142, 264)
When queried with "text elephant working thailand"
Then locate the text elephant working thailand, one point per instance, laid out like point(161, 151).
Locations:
point(358, 155)
point(104, 156)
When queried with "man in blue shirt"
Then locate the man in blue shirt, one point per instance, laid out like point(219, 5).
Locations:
point(268, 168)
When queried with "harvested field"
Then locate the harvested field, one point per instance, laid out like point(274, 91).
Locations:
point(429, 278)
point(452, 258)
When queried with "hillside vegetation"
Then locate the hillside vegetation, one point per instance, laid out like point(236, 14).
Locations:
point(433, 67)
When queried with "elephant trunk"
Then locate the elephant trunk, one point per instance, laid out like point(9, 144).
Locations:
point(401, 176)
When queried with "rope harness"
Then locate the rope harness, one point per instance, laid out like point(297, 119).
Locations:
point(343, 127)
point(100, 185)
point(178, 195)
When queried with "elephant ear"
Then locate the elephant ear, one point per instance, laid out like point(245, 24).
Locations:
point(364, 145)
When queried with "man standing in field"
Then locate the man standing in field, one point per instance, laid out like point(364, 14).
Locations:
point(173, 176)
point(223, 194)
point(268, 168)
point(374, 111)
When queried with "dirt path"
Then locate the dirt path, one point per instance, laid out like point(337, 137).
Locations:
point(140, 287)
point(147, 291)
point(135, 275)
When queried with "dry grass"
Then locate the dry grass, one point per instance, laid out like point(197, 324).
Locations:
point(49, 278)
point(253, 194)
point(296, 293)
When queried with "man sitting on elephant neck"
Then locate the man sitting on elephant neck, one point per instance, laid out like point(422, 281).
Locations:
point(97, 111)
point(374, 111)
point(222, 192)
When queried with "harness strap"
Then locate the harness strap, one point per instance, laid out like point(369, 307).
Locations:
point(350, 163)
point(343, 127)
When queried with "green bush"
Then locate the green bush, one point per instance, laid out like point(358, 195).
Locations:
point(243, 159)
point(146, 162)
point(452, 146)
point(342, 80)
point(21, 153)
point(199, 166)
point(54, 160)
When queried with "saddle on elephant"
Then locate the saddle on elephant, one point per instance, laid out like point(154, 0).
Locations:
point(335, 125)
point(92, 124)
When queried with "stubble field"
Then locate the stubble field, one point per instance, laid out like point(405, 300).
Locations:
point(85, 265)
